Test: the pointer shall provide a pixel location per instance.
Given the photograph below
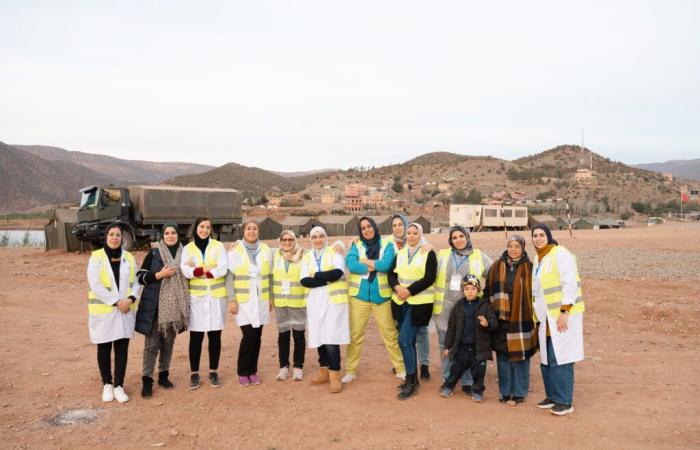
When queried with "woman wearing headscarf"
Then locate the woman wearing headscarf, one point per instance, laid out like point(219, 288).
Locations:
point(399, 224)
point(111, 276)
point(411, 277)
point(203, 263)
point(368, 262)
point(454, 263)
point(290, 304)
point(322, 272)
point(558, 304)
point(163, 310)
point(509, 289)
point(251, 264)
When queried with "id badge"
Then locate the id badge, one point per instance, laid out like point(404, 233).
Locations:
point(365, 276)
point(455, 282)
point(252, 271)
point(286, 288)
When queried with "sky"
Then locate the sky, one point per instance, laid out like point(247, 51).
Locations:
point(306, 85)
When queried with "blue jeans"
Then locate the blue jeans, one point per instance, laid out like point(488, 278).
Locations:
point(513, 377)
point(423, 342)
point(466, 379)
point(407, 339)
point(329, 356)
point(558, 379)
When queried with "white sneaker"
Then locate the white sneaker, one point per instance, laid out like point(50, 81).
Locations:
point(401, 375)
point(283, 374)
point(298, 374)
point(107, 393)
point(347, 378)
point(120, 395)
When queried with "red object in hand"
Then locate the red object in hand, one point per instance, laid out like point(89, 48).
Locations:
point(199, 271)
point(209, 275)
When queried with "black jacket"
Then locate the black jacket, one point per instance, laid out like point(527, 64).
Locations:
point(147, 313)
point(420, 314)
point(455, 326)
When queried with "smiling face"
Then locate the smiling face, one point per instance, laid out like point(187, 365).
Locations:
point(250, 233)
point(515, 251)
point(318, 240)
point(412, 236)
point(114, 238)
point(366, 229)
point(204, 229)
point(459, 240)
point(539, 238)
point(287, 242)
point(170, 236)
point(397, 228)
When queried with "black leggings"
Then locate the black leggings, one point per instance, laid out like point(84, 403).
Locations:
point(299, 348)
point(249, 350)
point(196, 339)
point(104, 361)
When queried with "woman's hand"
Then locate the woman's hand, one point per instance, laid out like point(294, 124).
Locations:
point(563, 322)
point(190, 262)
point(425, 248)
point(231, 245)
point(369, 263)
point(165, 272)
point(123, 305)
point(233, 308)
point(402, 292)
point(445, 353)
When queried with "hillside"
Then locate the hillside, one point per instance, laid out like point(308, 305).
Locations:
point(127, 171)
point(28, 181)
point(688, 168)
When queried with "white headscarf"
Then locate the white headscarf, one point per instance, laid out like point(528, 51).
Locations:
point(419, 227)
point(319, 230)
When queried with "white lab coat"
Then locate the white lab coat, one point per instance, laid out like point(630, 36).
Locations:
point(116, 324)
point(207, 313)
point(255, 311)
point(568, 346)
point(327, 323)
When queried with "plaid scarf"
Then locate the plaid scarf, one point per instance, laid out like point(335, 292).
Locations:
point(174, 298)
point(514, 307)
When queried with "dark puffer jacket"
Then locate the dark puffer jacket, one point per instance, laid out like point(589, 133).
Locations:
point(455, 326)
point(147, 313)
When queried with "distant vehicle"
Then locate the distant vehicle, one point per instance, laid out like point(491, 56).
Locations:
point(142, 211)
point(654, 221)
point(489, 217)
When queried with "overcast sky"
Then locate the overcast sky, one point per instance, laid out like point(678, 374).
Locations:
point(315, 84)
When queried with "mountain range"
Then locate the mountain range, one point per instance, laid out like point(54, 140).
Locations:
point(686, 168)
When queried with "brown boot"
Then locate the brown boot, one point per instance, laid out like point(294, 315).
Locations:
point(336, 385)
point(322, 376)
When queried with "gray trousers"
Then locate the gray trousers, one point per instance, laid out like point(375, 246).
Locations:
point(155, 343)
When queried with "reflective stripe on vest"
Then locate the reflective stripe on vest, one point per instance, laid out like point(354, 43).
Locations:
point(355, 279)
point(97, 307)
point(241, 276)
point(410, 272)
point(550, 281)
point(296, 298)
point(441, 283)
point(337, 290)
point(199, 286)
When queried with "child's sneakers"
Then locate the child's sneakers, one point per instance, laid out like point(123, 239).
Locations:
point(446, 392)
point(477, 397)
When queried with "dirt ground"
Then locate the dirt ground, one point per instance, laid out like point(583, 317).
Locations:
point(637, 388)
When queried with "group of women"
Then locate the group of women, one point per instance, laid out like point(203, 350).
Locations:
point(399, 279)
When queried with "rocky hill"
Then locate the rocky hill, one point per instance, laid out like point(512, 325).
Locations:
point(688, 168)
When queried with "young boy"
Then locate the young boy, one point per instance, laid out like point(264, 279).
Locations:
point(468, 338)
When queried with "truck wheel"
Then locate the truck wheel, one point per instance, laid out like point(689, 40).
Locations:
point(127, 241)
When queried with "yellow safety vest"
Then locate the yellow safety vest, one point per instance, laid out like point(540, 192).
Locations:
point(95, 306)
point(241, 275)
point(476, 267)
point(551, 284)
point(337, 290)
point(409, 272)
point(283, 274)
point(200, 286)
point(355, 278)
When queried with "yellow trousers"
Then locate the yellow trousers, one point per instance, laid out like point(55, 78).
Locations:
point(359, 316)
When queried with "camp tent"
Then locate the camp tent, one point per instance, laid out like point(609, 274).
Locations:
point(58, 231)
point(300, 225)
point(425, 223)
point(269, 228)
point(546, 219)
point(339, 225)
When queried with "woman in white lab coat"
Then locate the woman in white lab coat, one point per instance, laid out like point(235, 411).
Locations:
point(111, 310)
point(204, 264)
point(558, 305)
point(250, 261)
point(328, 323)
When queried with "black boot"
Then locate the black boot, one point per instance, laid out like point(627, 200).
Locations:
point(410, 388)
point(163, 380)
point(147, 390)
point(424, 372)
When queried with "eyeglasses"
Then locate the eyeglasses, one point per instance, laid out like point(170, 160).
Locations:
point(287, 240)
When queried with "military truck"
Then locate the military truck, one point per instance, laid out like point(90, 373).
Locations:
point(142, 211)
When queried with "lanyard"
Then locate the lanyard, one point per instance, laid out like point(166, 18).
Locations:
point(411, 256)
point(458, 264)
point(318, 261)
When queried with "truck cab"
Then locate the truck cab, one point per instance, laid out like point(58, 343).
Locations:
point(100, 206)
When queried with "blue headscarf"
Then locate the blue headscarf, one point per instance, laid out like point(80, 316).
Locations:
point(547, 231)
point(372, 246)
point(405, 222)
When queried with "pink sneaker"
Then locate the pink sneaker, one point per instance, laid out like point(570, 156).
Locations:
point(244, 381)
point(254, 379)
